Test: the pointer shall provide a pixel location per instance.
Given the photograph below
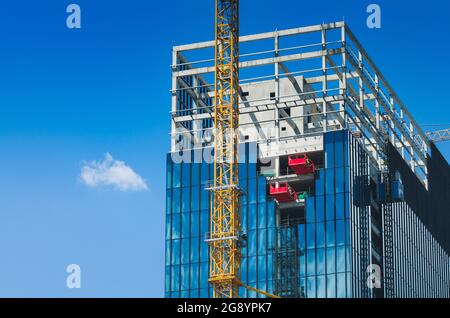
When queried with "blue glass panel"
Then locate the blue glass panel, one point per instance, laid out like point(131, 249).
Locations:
point(302, 265)
point(340, 232)
point(321, 287)
point(251, 217)
point(185, 277)
point(331, 286)
point(348, 278)
point(310, 236)
point(175, 252)
point(320, 261)
point(262, 242)
point(252, 269)
point(204, 249)
point(167, 279)
point(251, 191)
point(186, 174)
point(195, 253)
point(204, 173)
point(204, 202)
point(168, 171)
point(168, 201)
point(329, 230)
point(270, 214)
point(195, 198)
point(329, 179)
point(244, 218)
point(330, 207)
point(311, 287)
point(340, 207)
point(329, 150)
point(176, 200)
point(340, 180)
point(262, 273)
point(340, 259)
point(184, 251)
point(320, 183)
point(168, 227)
point(242, 173)
point(320, 209)
point(310, 210)
point(204, 293)
point(204, 275)
point(204, 223)
point(262, 285)
point(270, 287)
point(311, 262)
point(301, 237)
point(270, 238)
point(348, 258)
point(269, 265)
point(347, 232)
point(176, 181)
point(176, 226)
point(195, 179)
point(339, 149)
point(347, 206)
point(331, 261)
point(167, 252)
point(341, 286)
point(244, 270)
point(320, 235)
point(251, 246)
point(261, 189)
point(195, 228)
point(194, 293)
point(175, 294)
point(185, 228)
point(262, 219)
point(175, 284)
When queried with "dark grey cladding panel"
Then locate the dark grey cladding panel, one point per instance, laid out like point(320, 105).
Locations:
point(433, 206)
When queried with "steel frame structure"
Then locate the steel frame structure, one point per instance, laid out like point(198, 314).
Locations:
point(346, 89)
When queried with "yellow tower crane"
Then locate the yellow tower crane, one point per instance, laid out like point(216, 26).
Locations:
point(225, 227)
point(225, 224)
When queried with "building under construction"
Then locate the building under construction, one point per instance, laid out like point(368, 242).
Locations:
point(342, 195)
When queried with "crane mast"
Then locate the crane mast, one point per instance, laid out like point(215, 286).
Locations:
point(225, 221)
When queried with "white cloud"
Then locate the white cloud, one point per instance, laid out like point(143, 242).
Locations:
point(111, 173)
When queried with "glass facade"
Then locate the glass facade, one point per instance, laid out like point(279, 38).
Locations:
point(324, 247)
point(187, 225)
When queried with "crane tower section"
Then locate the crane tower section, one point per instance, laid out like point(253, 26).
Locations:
point(225, 221)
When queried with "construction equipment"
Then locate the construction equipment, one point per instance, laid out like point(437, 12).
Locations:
point(225, 236)
point(225, 256)
point(301, 164)
point(282, 192)
point(439, 136)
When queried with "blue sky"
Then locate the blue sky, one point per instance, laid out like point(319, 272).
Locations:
point(68, 97)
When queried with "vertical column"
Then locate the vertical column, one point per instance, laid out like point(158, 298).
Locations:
point(277, 100)
point(324, 78)
point(344, 73)
point(174, 99)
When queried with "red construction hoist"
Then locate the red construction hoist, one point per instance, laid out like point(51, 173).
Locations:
point(301, 164)
point(282, 192)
